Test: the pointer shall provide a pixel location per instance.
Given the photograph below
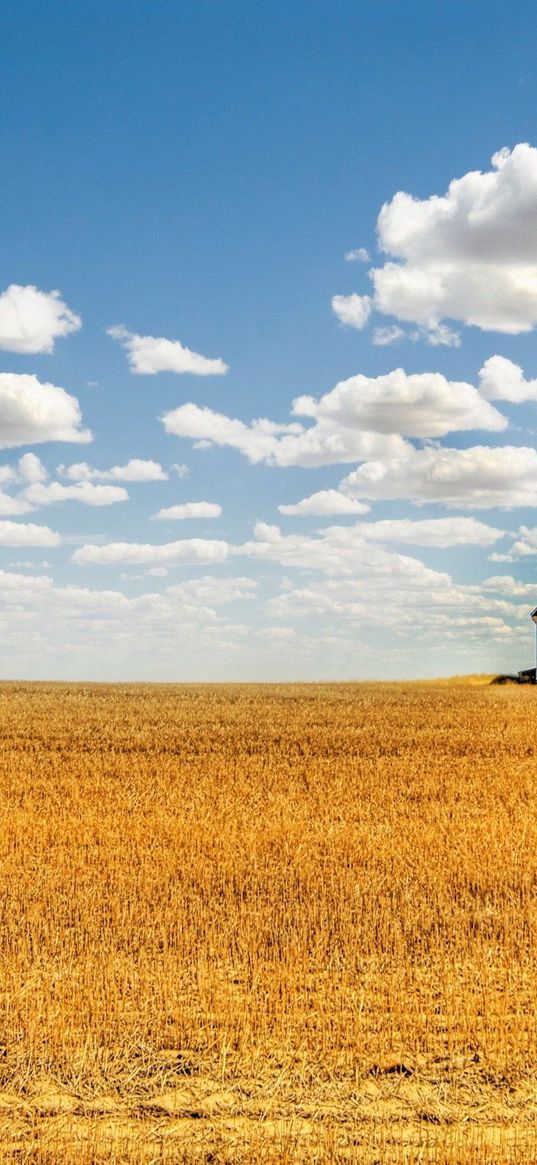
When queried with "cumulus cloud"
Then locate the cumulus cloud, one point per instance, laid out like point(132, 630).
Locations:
point(423, 404)
point(391, 334)
point(32, 412)
point(352, 310)
point(363, 418)
point(150, 354)
point(256, 440)
point(27, 534)
point(438, 335)
point(325, 443)
point(376, 588)
point(134, 470)
point(32, 320)
point(365, 589)
point(27, 564)
point(469, 255)
point(398, 594)
point(474, 478)
point(190, 510)
point(335, 550)
point(505, 584)
point(325, 502)
point(21, 588)
point(71, 628)
point(41, 494)
point(359, 255)
point(12, 506)
point(212, 591)
point(39, 491)
point(344, 550)
point(437, 532)
point(501, 379)
point(278, 633)
point(9, 504)
point(31, 468)
point(193, 550)
point(526, 543)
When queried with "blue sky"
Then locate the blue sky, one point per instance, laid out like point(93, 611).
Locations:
point(196, 174)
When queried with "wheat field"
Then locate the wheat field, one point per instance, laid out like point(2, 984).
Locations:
point(268, 923)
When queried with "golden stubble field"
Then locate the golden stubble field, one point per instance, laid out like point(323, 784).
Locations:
point(268, 923)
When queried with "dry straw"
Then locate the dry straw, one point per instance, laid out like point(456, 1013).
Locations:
point(268, 924)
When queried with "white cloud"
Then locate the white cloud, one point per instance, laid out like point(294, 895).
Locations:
point(470, 255)
point(328, 443)
point(422, 404)
point(191, 550)
point(13, 505)
point(150, 354)
point(526, 543)
point(438, 335)
point(352, 310)
point(134, 470)
point(32, 412)
point(438, 532)
point(8, 474)
point(325, 443)
point(31, 468)
point(325, 502)
point(10, 505)
point(505, 584)
point(212, 591)
point(181, 470)
point(500, 379)
point(27, 534)
point(397, 600)
point(32, 320)
point(377, 590)
point(361, 419)
point(335, 550)
point(39, 494)
point(359, 255)
point(278, 633)
point(72, 628)
point(68, 630)
point(391, 334)
point(28, 564)
point(22, 588)
point(474, 478)
point(336, 598)
point(190, 510)
point(351, 550)
point(257, 440)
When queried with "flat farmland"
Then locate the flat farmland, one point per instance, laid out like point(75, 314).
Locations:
point(268, 923)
